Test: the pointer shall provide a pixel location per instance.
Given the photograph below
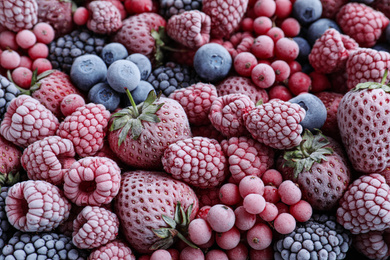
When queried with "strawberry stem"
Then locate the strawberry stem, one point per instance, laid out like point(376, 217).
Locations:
point(383, 82)
point(132, 101)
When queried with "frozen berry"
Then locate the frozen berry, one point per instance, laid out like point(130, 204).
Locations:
point(199, 231)
point(229, 194)
point(81, 16)
point(263, 47)
point(244, 219)
point(272, 177)
point(261, 25)
point(38, 50)
point(7, 40)
point(70, 103)
point(265, 8)
point(221, 218)
point(244, 62)
point(251, 184)
point(41, 64)
point(263, 75)
point(299, 82)
point(9, 59)
point(270, 212)
point(25, 39)
point(229, 239)
point(284, 223)
point(286, 49)
point(44, 32)
point(289, 192)
point(301, 211)
point(259, 236)
point(22, 77)
point(254, 203)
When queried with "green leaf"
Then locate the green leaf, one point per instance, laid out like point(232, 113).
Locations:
point(169, 221)
point(124, 132)
point(162, 232)
point(188, 242)
point(43, 74)
point(149, 118)
point(162, 244)
point(119, 123)
point(136, 129)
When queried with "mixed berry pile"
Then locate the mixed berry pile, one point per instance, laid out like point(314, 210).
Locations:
point(194, 129)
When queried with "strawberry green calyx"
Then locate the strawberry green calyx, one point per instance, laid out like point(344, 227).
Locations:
point(131, 117)
point(178, 228)
point(9, 179)
point(311, 149)
point(374, 85)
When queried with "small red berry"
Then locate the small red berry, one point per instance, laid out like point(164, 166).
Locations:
point(265, 8)
point(319, 82)
point(263, 47)
point(263, 75)
point(247, 24)
point(137, 6)
point(25, 39)
point(290, 27)
point(259, 237)
point(286, 49)
point(283, 8)
point(301, 211)
point(81, 16)
point(41, 64)
point(261, 25)
point(275, 33)
point(282, 70)
point(280, 92)
point(38, 50)
point(44, 32)
point(22, 77)
point(7, 40)
point(9, 59)
point(244, 62)
point(299, 82)
point(284, 223)
point(26, 62)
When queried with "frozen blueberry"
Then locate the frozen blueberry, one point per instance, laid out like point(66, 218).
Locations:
point(140, 93)
point(103, 94)
point(212, 62)
point(112, 52)
point(315, 110)
point(307, 11)
point(304, 49)
point(88, 70)
point(143, 63)
point(123, 74)
point(317, 28)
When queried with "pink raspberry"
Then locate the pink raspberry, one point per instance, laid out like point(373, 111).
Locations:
point(115, 249)
point(198, 161)
point(331, 51)
point(92, 181)
point(225, 15)
point(196, 101)
point(241, 85)
point(239, 42)
point(372, 244)
point(365, 206)
point(17, 15)
point(36, 206)
point(226, 114)
point(43, 159)
point(246, 157)
point(104, 17)
point(27, 121)
point(365, 65)
point(86, 128)
point(190, 28)
point(362, 23)
point(94, 227)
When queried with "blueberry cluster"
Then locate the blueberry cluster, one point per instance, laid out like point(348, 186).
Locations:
point(41, 246)
point(8, 91)
point(172, 76)
point(64, 50)
point(172, 7)
point(319, 238)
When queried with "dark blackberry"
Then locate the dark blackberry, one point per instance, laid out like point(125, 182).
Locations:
point(64, 50)
point(321, 237)
point(8, 91)
point(6, 229)
point(172, 76)
point(41, 246)
point(172, 7)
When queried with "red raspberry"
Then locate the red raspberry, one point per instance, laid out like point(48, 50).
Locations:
point(43, 159)
point(104, 17)
point(190, 28)
point(365, 65)
point(241, 85)
point(94, 227)
point(226, 114)
point(92, 181)
point(365, 206)
point(225, 15)
point(362, 23)
point(239, 42)
point(115, 249)
point(196, 101)
point(372, 244)
point(276, 124)
point(331, 51)
point(198, 161)
point(27, 121)
point(331, 7)
point(246, 157)
point(331, 101)
point(36, 206)
point(86, 128)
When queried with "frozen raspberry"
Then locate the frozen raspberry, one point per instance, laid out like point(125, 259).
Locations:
point(104, 17)
point(246, 157)
point(43, 159)
point(196, 101)
point(238, 42)
point(190, 28)
point(115, 249)
point(365, 65)
point(17, 15)
point(331, 51)
point(365, 206)
point(225, 15)
point(92, 181)
point(241, 85)
point(198, 161)
point(36, 206)
point(226, 114)
point(86, 128)
point(383, 6)
point(372, 245)
point(362, 23)
point(27, 121)
point(94, 227)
